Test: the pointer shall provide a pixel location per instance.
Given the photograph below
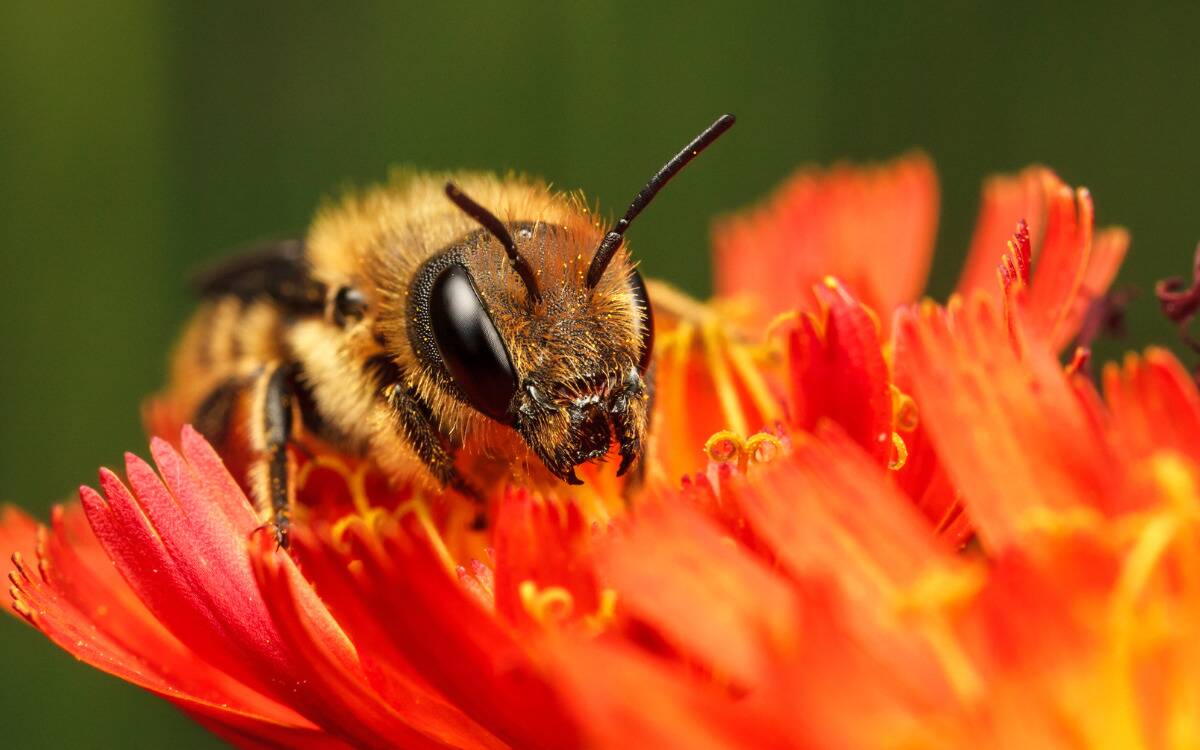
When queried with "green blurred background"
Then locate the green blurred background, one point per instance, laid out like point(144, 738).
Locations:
point(139, 138)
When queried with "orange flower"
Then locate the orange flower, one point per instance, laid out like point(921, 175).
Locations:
point(816, 609)
point(790, 592)
point(873, 229)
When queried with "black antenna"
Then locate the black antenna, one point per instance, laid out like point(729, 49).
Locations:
point(495, 227)
point(612, 241)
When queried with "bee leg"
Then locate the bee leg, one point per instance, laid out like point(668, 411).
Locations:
point(638, 476)
point(432, 447)
point(630, 412)
point(276, 392)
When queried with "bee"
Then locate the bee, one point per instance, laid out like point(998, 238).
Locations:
point(452, 328)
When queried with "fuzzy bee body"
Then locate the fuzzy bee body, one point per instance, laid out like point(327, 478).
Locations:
point(459, 345)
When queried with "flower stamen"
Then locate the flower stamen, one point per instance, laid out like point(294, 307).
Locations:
point(606, 610)
point(784, 321)
point(355, 479)
point(18, 560)
point(1176, 482)
point(369, 519)
point(712, 335)
point(1151, 546)
point(760, 394)
point(20, 607)
point(762, 448)
point(1045, 520)
point(904, 410)
point(728, 448)
point(724, 447)
point(551, 604)
point(899, 453)
point(929, 598)
point(420, 511)
point(940, 587)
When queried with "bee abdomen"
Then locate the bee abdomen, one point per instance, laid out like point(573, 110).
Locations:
point(227, 339)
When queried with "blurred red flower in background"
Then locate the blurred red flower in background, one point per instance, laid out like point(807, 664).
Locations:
point(803, 586)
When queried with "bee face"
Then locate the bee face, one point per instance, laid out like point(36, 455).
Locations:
point(565, 371)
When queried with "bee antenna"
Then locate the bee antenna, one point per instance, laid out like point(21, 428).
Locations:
point(496, 228)
point(612, 241)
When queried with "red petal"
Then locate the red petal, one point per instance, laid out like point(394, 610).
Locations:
point(1060, 589)
point(873, 228)
point(75, 598)
point(840, 374)
point(394, 679)
point(250, 732)
point(221, 489)
point(350, 706)
point(191, 571)
point(184, 551)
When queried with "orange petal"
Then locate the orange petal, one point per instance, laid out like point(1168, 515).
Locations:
point(828, 508)
point(1013, 438)
point(18, 533)
point(922, 477)
point(1055, 307)
point(628, 699)
point(1154, 406)
point(678, 572)
point(1007, 199)
point(828, 512)
point(1108, 252)
point(1071, 267)
point(873, 228)
point(545, 545)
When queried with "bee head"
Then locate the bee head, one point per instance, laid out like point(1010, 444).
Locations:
point(562, 355)
point(562, 364)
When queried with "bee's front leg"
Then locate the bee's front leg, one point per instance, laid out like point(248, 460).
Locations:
point(630, 413)
point(431, 446)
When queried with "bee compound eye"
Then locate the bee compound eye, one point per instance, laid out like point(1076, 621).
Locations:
point(637, 287)
point(470, 345)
